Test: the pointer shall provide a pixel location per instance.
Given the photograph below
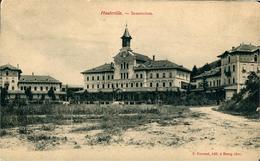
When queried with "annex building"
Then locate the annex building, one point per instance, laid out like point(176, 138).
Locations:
point(16, 84)
point(230, 72)
point(132, 72)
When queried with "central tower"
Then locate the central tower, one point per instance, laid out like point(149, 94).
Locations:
point(126, 38)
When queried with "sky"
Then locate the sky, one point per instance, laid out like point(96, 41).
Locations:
point(62, 38)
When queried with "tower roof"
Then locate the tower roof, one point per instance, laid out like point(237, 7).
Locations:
point(126, 33)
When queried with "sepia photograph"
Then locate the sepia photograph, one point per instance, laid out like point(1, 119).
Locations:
point(115, 80)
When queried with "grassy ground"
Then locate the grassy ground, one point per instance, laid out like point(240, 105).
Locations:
point(110, 121)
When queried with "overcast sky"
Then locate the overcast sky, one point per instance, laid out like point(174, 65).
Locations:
point(61, 38)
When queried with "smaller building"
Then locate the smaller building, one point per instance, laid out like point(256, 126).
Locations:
point(39, 85)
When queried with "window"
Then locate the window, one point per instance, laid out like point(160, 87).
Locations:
point(151, 75)
point(121, 75)
point(103, 77)
point(132, 84)
point(126, 75)
point(87, 78)
point(97, 77)
point(255, 58)
point(141, 76)
point(157, 84)
point(93, 86)
point(170, 75)
point(7, 73)
point(170, 84)
point(157, 75)
point(117, 85)
point(87, 86)
point(103, 85)
point(108, 77)
point(229, 59)
point(121, 66)
point(234, 81)
point(41, 88)
point(124, 65)
point(163, 84)
point(234, 68)
point(21, 88)
point(141, 84)
point(54, 88)
point(229, 81)
point(112, 76)
point(108, 85)
point(126, 85)
point(112, 85)
point(122, 85)
point(151, 84)
point(47, 88)
point(136, 76)
point(35, 88)
point(12, 87)
point(98, 86)
point(136, 84)
point(163, 75)
point(127, 66)
point(214, 83)
point(92, 77)
point(12, 81)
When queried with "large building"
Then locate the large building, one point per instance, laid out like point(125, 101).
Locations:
point(16, 84)
point(134, 72)
point(231, 70)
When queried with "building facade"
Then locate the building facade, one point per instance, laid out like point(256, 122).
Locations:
point(134, 72)
point(232, 70)
point(16, 84)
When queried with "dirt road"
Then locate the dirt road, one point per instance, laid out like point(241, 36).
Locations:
point(211, 135)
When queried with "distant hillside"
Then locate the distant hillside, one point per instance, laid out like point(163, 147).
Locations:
point(247, 100)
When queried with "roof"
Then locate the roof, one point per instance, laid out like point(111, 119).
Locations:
point(8, 66)
point(100, 69)
point(37, 79)
point(141, 57)
point(211, 65)
point(210, 73)
point(242, 48)
point(126, 33)
point(160, 64)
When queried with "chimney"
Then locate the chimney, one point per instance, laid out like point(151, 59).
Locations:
point(32, 73)
point(153, 57)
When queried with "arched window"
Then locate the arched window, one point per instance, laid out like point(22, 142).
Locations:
point(255, 58)
point(170, 75)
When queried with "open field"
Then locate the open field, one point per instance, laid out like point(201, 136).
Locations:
point(134, 133)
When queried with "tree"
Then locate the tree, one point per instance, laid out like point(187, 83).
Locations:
point(51, 94)
point(194, 71)
point(3, 95)
point(205, 84)
point(28, 93)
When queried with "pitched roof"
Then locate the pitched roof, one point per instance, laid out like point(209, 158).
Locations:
point(213, 72)
point(160, 64)
point(37, 79)
point(102, 68)
point(245, 48)
point(211, 65)
point(141, 57)
point(126, 33)
point(9, 66)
